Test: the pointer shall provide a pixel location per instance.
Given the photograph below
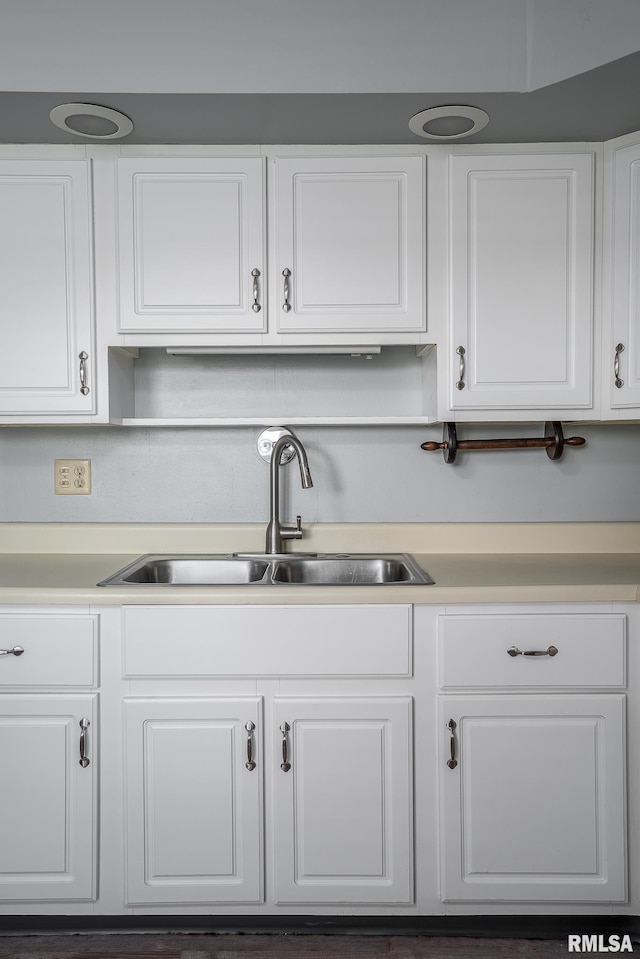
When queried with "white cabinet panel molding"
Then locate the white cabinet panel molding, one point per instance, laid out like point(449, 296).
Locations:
point(621, 353)
point(47, 833)
point(193, 806)
point(190, 235)
point(533, 807)
point(350, 232)
point(343, 808)
point(521, 282)
point(46, 288)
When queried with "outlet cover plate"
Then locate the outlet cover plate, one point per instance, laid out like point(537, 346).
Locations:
point(72, 477)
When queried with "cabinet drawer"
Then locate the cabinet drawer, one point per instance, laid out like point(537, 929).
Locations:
point(267, 640)
point(473, 650)
point(59, 649)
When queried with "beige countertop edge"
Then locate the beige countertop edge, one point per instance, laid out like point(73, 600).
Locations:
point(274, 596)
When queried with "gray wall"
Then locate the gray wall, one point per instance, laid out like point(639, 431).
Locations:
point(361, 474)
point(303, 46)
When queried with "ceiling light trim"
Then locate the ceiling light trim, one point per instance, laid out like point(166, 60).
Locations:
point(60, 114)
point(479, 119)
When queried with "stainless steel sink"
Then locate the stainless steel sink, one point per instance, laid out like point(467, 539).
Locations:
point(189, 571)
point(350, 570)
point(324, 569)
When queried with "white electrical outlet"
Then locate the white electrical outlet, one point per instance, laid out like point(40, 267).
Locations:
point(72, 477)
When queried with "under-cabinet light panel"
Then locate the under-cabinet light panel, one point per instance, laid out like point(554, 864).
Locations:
point(266, 350)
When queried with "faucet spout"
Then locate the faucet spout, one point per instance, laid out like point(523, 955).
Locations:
point(276, 532)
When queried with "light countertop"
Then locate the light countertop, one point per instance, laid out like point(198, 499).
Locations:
point(36, 568)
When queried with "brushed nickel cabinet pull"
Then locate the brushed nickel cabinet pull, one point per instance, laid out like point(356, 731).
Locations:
point(286, 306)
point(16, 651)
point(616, 366)
point(549, 651)
point(256, 291)
point(83, 357)
point(452, 762)
point(285, 765)
point(461, 369)
point(84, 725)
point(250, 763)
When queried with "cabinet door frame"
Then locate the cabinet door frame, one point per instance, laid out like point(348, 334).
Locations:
point(59, 818)
point(621, 280)
point(150, 722)
point(599, 719)
point(354, 727)
point(568, 385)
point(231, 312)
point(68, 241)
point(403, 182)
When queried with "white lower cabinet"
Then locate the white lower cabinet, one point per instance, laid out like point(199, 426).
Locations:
point(48, 757)
point(343, 800)
point(533, 808)
point(290, 760)
point(243, 743)
point(47, 837)
point(194, 799)
point(533, 759)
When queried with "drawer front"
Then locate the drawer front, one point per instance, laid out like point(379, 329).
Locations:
point(267, 641)
point(59, 649)
point(474, 650)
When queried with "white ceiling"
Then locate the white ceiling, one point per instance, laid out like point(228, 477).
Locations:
point(203, 68)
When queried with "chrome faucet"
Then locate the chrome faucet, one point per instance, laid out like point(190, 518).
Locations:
point(276, 532)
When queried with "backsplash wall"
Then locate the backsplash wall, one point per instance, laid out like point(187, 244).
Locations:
point(361, 474)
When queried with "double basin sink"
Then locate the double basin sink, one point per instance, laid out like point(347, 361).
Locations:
point(322, 569)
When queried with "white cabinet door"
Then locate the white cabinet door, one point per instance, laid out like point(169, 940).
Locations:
point(343, 808)
point(521, 277)
point(47, 827)
point(621, 375)
point(193, 803)
point(350, 232)
point(534, 807)
point(190, 237)
point(46, 298)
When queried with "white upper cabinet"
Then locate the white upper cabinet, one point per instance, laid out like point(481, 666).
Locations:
point(621, 352)
point(346, 247)
point(521, 277)
point(350, 251)
point(46, 288)
point(190, 244)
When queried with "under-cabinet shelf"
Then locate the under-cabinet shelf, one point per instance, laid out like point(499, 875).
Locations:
point(279, 420)
point(393, 387)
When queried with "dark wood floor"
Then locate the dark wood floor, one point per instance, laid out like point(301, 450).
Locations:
point(277, 946)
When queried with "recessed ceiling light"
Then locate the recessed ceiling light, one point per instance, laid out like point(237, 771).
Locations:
point(91, 121)
point(448, 123)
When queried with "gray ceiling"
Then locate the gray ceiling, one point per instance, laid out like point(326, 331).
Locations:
point(598, 105)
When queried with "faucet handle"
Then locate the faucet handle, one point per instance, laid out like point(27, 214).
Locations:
point(292, 532)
